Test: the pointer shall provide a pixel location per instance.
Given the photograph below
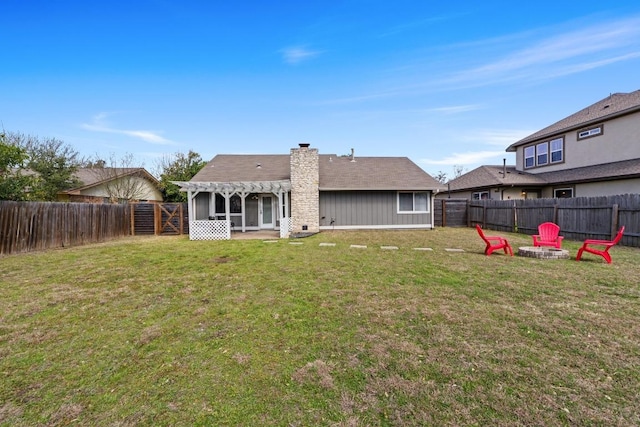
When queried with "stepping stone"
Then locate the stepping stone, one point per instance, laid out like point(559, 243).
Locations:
point(454, 250)
point(295, 243)
point(359, 246)
point(422, 249)
point(389, 248)
point(269, 241)
point(327, 244)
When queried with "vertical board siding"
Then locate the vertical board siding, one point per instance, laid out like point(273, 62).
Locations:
point(34, 226)
point(365, 208)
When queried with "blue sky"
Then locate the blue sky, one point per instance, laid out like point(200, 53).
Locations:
point(443, 83)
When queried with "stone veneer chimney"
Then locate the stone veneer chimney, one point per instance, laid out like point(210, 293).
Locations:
point(305, 203)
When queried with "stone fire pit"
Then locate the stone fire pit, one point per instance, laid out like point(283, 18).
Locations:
point(543, 252)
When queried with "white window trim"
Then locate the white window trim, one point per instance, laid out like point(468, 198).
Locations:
point(590, 132)
point(533, 157)
point(549, 154)
point(561, 150)
point(546, 145)
point(398, 211)
point(555, 190)
point(479, 193)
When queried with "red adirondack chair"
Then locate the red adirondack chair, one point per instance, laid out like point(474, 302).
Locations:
point(602, 246)
point(548, 235)
point(494, 243)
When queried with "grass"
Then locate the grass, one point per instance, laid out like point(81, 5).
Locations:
point(170, 332)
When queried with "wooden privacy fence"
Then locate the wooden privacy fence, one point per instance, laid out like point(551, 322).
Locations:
point(451, 212)
point(32, 226)
point(579, 218)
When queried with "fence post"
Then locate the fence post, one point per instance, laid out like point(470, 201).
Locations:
point(133, 219)
point(157, 219)
point(614, 220)
point(181, 219)
point(555, 213)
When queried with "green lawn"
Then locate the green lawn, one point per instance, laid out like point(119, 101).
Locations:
point(167, 332)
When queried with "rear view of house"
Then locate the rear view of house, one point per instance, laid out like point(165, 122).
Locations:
point(305, 192)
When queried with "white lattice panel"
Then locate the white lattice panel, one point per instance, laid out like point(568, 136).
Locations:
point(210, 230)
point(285, 227)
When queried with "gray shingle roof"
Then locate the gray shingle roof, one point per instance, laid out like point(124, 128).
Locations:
point(373, 173)
point(336, 173)
point(245, 167)
point(603, 172)
point(91, 177)
point(614, 105)
point(491, 176)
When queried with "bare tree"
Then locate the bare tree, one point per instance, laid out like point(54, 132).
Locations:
point(441, 177)
point(122, 181)
point(458, 171)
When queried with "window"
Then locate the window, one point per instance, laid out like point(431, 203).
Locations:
point(480, 195)
point(413, 202)
point(235, 204)
point(556, 150)
point(563, 193)
point(542, 154)
point(589, 132)
point(529, 157)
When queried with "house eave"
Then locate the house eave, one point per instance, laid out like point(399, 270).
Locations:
point(381, 189)
point(527, 140)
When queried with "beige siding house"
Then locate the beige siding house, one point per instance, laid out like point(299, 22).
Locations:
point(594, 152)
point(305, 192)
point(113, 185)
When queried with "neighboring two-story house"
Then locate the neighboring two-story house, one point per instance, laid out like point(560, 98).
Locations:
point(594, 152)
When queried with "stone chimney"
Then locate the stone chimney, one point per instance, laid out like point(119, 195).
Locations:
point(305, 203)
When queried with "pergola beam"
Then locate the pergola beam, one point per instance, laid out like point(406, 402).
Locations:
point(236, 187)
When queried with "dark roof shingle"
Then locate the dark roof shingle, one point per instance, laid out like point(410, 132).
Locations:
point(336, 172)
point(614, 105)
point(491, 176)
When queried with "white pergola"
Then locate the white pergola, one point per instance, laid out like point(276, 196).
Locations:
point(242, 189)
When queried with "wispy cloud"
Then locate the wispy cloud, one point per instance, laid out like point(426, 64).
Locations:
point(455, 109)
point(495, 137)
point(99, 124)
point(562, 54)
point(296, 54)
point(468, 158)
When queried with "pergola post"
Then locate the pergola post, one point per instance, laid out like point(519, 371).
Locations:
point(190, 205)
point(243, 197)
